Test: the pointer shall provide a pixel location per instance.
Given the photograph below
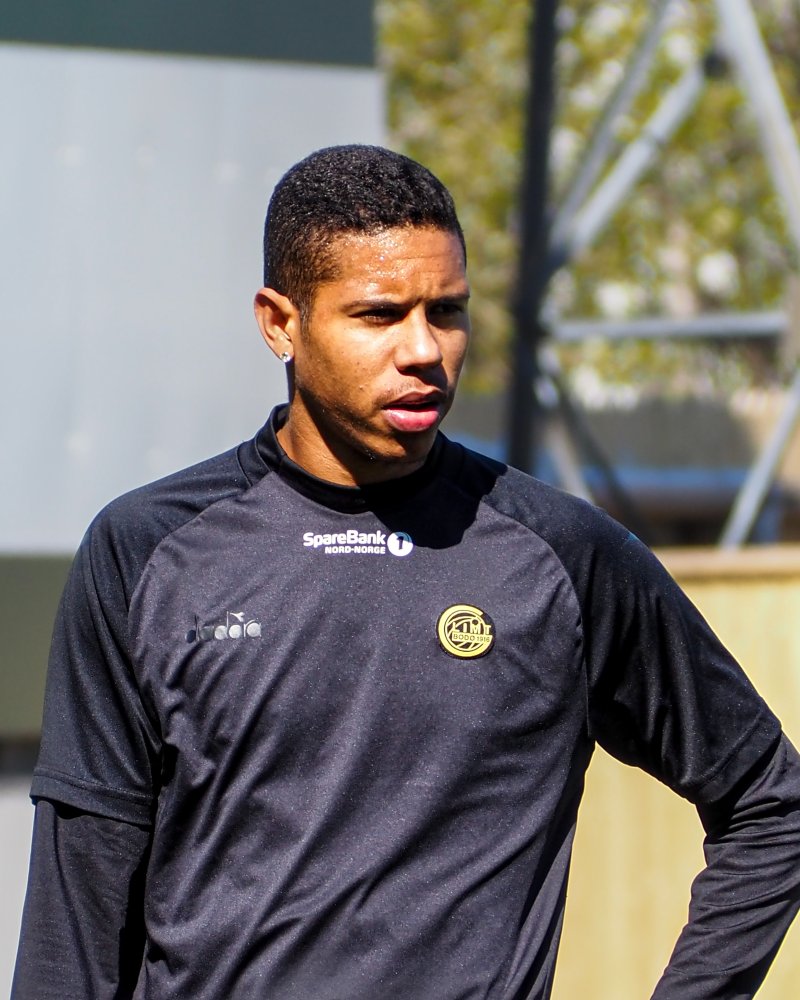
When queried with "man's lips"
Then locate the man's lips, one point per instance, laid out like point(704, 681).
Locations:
point(415, 411)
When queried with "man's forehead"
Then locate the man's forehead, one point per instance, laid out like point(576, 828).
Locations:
point(380, 247)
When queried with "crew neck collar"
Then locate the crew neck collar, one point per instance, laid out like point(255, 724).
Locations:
point(391, 493)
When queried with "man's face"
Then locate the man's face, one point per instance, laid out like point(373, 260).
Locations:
point(377, 360)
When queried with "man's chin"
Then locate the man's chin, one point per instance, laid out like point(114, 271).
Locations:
point(401, 456)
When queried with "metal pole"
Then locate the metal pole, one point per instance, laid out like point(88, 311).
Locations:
point(745, 48)
point(718, 326)
point(673, 110)
point(603, 140)
point(532, 272)
point(753, 493)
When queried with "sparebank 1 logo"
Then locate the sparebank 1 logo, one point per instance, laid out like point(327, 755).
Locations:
point(236, 626)
point(399, 543)
point(359, 543)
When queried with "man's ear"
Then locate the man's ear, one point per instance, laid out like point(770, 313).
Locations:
point(278, 319)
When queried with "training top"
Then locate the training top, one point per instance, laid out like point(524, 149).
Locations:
point(356, 721)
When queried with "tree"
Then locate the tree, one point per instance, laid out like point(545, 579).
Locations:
point(702, 231)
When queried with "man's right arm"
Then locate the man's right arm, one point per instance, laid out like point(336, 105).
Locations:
point(83, 925)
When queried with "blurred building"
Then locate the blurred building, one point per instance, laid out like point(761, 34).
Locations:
point(140, 144)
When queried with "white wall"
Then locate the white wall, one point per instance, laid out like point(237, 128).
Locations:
point(132, 195)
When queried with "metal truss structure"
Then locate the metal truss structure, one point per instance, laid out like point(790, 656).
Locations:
point(596, 192)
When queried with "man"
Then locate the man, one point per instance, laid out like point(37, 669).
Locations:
point(319, 709)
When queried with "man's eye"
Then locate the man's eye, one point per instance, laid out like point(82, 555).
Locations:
point(382, 314)
point(447, 309)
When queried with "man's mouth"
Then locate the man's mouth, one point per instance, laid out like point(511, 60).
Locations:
point(415, 412)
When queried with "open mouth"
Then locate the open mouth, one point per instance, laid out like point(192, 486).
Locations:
point(414, 413)
point(416, 404)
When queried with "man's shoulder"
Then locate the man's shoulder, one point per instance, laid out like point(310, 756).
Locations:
point(560, 518)
point(601, 557)
point(133, 525)
point(192, 488)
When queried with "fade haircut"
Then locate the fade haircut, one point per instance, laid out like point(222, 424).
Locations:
point(341, 190)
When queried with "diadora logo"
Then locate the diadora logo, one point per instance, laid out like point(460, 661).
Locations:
point(465, 631)
point(236, 626)
point(352, 542)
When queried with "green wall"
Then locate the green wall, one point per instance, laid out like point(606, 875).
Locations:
point(30, 587)
point(315, 31)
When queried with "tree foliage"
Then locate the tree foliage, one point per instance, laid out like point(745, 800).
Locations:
point(703, 230)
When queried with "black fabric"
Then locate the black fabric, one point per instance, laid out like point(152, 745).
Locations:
point(248, 660)
point(749, 890)
point(83, 926)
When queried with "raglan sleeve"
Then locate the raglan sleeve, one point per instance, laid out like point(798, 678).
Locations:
point(100, 746)
point(94, 786)
point(666, 696)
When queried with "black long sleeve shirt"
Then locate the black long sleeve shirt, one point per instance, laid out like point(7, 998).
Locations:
point(332, 741)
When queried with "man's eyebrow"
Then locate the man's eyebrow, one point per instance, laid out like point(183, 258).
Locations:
point(388, 300)
point(383, 300)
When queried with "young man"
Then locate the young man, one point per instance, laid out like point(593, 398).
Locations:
point(319, 709)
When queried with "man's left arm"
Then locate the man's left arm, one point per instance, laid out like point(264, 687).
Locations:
point(747, 895)
point(666, 696)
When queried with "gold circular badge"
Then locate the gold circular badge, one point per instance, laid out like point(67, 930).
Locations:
point(465, 631)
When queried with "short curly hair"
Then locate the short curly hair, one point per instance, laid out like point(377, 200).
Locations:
point(340, 190)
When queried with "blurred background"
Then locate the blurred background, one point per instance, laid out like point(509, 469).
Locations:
point(628, 178)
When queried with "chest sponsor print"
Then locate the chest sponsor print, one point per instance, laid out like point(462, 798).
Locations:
point(354, 542)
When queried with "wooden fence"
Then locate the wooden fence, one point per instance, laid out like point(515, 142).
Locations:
point(638, 845)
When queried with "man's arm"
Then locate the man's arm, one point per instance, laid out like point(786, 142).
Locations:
point(744, 900)
point(82, 926)
point(666, 696)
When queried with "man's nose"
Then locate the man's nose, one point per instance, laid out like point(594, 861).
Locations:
point(418, 345)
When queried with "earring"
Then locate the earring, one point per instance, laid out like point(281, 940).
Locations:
point(286, 357)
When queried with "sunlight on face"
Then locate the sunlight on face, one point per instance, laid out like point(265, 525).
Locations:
point(377, 362)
